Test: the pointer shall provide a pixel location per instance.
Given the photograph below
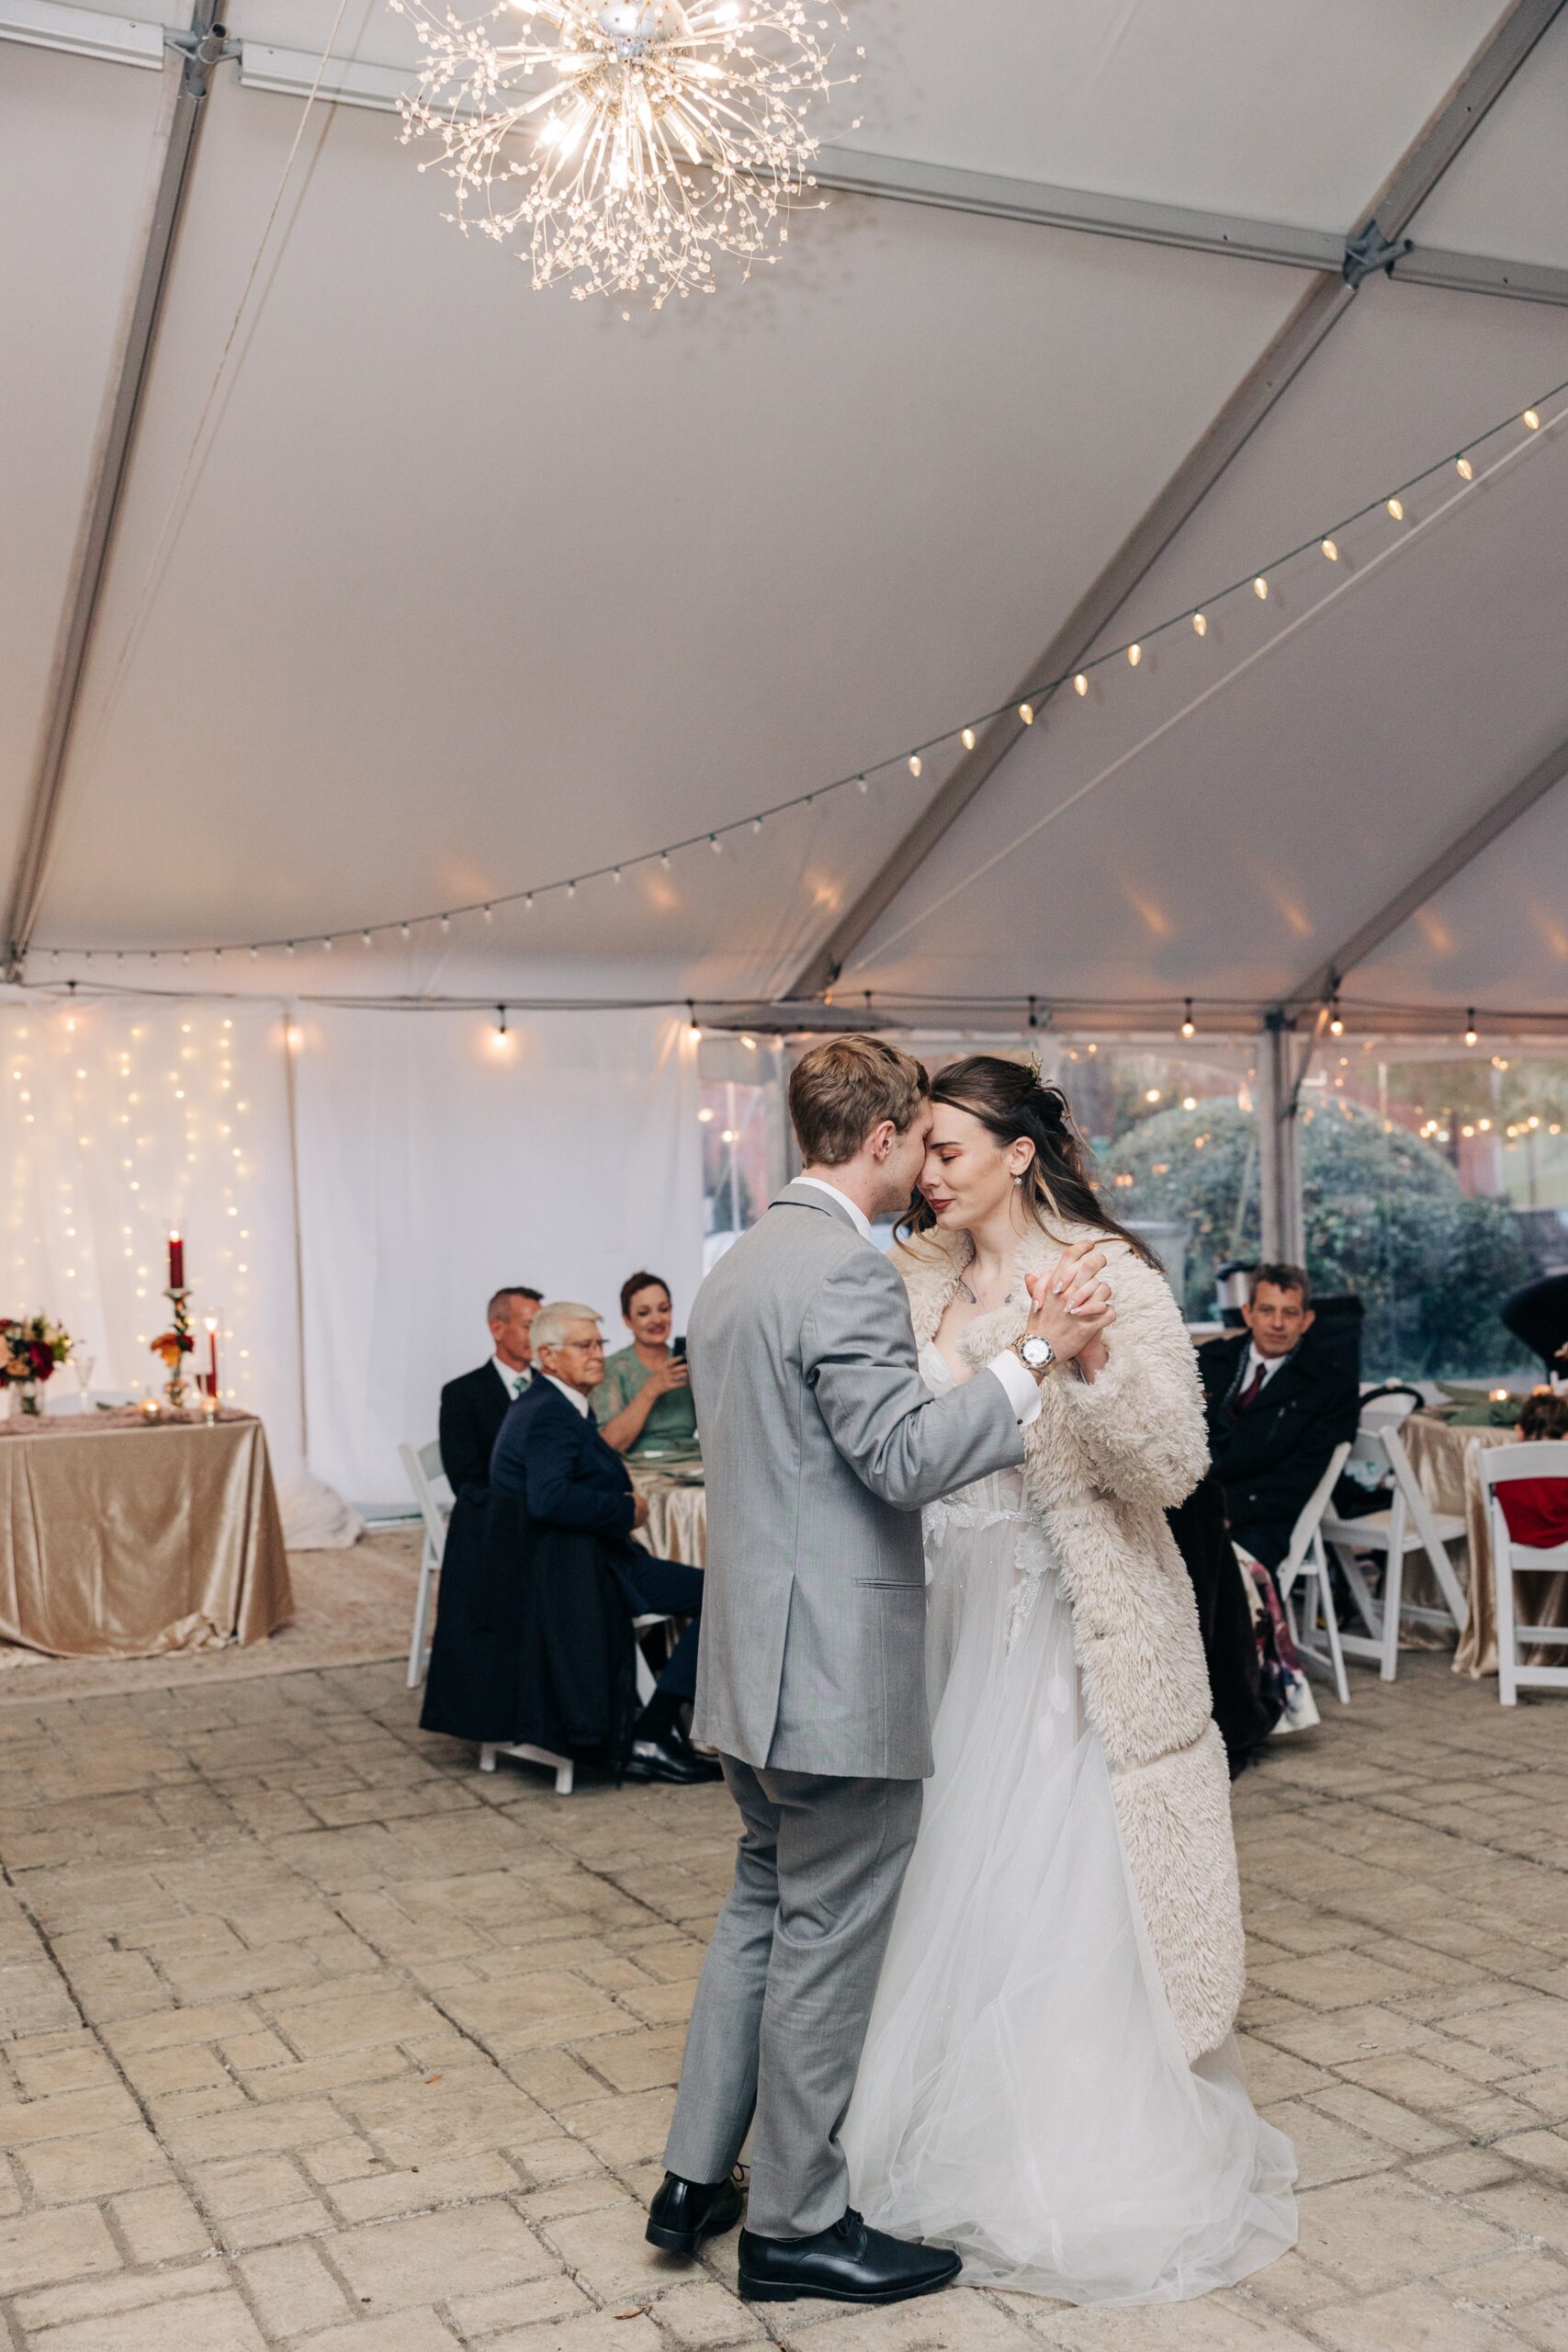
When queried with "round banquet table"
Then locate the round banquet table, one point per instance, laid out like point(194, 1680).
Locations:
point(121, 1536)
point(1444, 1460)
point(677, 1525)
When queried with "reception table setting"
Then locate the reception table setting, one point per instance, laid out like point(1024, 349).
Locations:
point(134, 1530)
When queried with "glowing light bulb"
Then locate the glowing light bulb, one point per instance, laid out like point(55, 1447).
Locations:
point(1134, 655)
point(1464, 469)
point(966, 738)
point(1533, 418)
point(1026, 712)
point(1396, 508)
point(1200, 623)
point(1331, 549)
point(1470, 1026)
point(1080, 685)
point(1260, 589)
point(914, 763)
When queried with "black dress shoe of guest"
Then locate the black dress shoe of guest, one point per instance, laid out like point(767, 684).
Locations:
point(660, 1759)
point(848, 2264)
point(685, 2212)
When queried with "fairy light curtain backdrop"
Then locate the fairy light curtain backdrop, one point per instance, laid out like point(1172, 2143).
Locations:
point(350, 1188)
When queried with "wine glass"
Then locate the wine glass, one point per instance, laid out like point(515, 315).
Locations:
point(82, 1365)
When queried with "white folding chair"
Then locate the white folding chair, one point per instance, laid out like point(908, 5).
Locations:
point(561, 1766)
point(1307, 1563)
point(1407, 1524)
point(1497, 1465)
point(422, 1464)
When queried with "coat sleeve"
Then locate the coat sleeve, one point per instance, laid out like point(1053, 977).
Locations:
point(1141, 1420)
point(858, 1354)
point(557, 1496)
point(464, 1455)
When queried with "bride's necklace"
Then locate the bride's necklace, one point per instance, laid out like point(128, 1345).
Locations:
point(973, 1301)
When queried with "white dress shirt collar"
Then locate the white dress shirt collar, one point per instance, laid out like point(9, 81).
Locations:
point(852, 1209)
point(574, 1396)
point(1268, 1366)
point(512, 1382)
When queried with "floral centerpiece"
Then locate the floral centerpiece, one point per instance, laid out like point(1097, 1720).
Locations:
point(30, 1347)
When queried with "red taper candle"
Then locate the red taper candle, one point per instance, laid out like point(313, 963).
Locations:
point(177, 1263)
point(212, 1356)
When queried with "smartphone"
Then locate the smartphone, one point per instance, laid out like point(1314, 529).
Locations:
point(678, 1344)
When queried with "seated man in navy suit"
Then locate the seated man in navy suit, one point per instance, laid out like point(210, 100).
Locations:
point(550, 1454)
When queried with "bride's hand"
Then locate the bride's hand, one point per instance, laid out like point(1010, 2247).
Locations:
point(1070, 1306)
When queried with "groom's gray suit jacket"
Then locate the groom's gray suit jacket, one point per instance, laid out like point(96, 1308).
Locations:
point(820, 1445)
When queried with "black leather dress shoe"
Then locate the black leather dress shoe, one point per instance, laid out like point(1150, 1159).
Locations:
point(670, 1760)
point(848, 2264)
point(685, 2212)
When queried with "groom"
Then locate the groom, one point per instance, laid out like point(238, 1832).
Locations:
point(821, 1444)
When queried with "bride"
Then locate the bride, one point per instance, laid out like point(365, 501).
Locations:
point(1049, 2083)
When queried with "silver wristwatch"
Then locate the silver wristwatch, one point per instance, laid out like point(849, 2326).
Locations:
point(1037, 1353)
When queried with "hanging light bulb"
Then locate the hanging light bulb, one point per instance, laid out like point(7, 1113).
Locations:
point(529, 902)
point(1134, 655)
point(1396, 508)
point(1260, 589)
point(757, 822)
point(571, 889)
point(694, 1026)
point(1470, 1026)
point(664, 859)
point(490, 911)
point(861, 785)
point(1080, 685)
point(1533, 418)
point(365, 940)
point(966, 738)
point(1464, 469)
point(446, 926)
point(500, 1023)
point(1335, 1025)
point(1026, 712)
point(914, 763)
point(716, 845)
point(1331, 549)
point(403, 928)
point(1189, 1028)
point(1200, 623)
point(327, 946)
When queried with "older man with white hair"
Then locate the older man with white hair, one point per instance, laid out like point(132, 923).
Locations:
point(551, 1455)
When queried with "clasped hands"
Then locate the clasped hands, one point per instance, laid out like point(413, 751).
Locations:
point(1070, 1306)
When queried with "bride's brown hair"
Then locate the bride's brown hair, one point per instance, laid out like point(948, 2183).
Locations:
point(1013, 1104)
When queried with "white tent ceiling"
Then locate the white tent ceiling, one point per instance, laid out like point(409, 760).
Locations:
point(469, 590)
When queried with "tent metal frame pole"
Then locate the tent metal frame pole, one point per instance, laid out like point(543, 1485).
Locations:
point(199, 52)
point(948, 187)
point(1407, 189)
point(1281, 1066)
point(1434, 875)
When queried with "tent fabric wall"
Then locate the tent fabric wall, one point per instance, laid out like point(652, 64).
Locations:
point(437, 1162)
point(431, 1166)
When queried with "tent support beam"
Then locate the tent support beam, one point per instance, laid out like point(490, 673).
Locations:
point(199, 55)
point(1411, 183)
point(1283, 1060)
point(949, 189)
point(1322, 984)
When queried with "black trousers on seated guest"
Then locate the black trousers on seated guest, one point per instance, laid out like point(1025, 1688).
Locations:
point(666, 1589)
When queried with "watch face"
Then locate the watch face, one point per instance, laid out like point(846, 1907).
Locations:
point(1035, 1352)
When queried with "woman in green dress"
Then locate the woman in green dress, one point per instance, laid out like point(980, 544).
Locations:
point(643, 1406)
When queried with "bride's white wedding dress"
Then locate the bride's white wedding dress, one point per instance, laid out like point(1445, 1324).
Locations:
point(1024, 2096)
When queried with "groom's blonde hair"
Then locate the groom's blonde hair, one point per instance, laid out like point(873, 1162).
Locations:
point(844, 1088)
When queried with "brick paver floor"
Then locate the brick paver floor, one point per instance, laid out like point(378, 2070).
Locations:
point(315, 2037)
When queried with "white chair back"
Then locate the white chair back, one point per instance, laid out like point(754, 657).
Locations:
point(434, 1495)
point(1307, 1561)
point(1497, 1466)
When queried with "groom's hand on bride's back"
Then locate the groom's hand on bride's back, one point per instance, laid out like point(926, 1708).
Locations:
point(1071, 1305)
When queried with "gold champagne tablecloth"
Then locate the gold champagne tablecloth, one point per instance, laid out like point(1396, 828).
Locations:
point(677, 1516)
point(1444, 1460)
point(125, 1539)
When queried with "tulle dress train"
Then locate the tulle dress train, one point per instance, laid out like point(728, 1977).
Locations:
point(1024, 2096)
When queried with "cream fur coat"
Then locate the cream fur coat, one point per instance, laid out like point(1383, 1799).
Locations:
point(1102, 1463)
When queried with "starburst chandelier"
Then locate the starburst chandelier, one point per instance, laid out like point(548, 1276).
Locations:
point(624, 142)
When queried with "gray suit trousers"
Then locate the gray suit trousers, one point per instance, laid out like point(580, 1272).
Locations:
point(785, 1994)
